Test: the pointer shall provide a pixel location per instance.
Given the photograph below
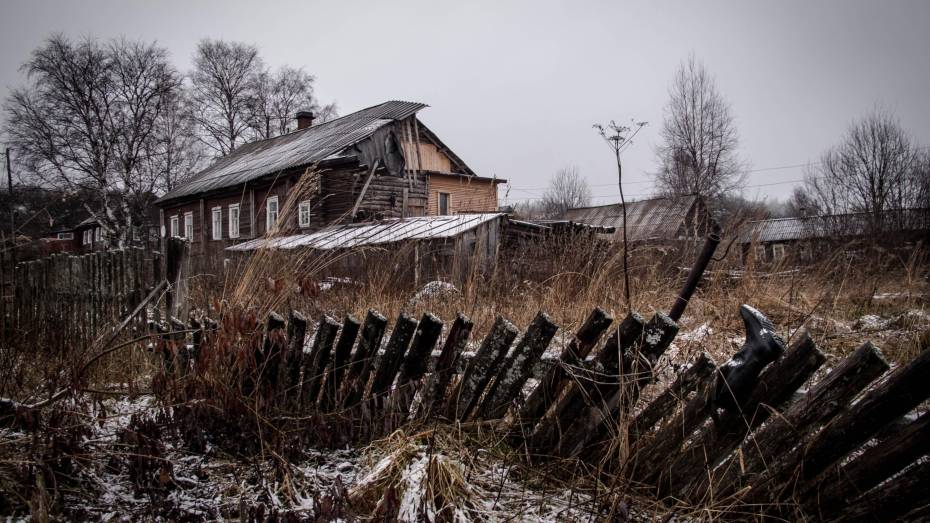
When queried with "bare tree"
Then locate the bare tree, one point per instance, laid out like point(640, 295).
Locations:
point(279, 96)
point(875, 169)
point(698, 155)
point(223, 88)
point(567, 189)
point(802, 203)
point(87, 120)
point(176, 151)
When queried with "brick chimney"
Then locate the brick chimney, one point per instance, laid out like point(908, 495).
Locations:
point(304, 119)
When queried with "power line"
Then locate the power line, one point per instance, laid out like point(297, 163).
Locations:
point(640, 182)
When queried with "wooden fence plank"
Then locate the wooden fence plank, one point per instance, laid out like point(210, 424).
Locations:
point(390, 362)
point(664, 404)
point(588, 387)
point(360, 369)
point(293, 357)
point(776, 386)
point(416, 364)
point(550, 385)
point(464, 398)
point(339, 362)
point(906, 387)
point(842, 485)
point(315, 363)
point(516, 369)
point(892, 500)
point(603, 419)
point(824, 401)
point(434, 393)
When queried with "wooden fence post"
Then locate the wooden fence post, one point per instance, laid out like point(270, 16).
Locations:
point(480, 370)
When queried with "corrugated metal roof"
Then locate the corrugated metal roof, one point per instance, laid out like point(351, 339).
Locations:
point(832, 226)
point(378, 233)
point(656, 219)
point(303, 147)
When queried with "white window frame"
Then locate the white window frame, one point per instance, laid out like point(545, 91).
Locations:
point(88, 236)
point(760, 252)
point(217, 215)
point(439, 196)
point(174, 225)
point(66, 236)
point(189, 225)
point(97, 234)
point(304, 213)
point(234, 220)
point(271, 218)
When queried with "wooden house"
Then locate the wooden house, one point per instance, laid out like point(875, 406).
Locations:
point(804, 239)
point(657, 220)
point(378, 163)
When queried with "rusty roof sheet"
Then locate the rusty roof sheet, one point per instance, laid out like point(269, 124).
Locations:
point(376, 233)
point(306, 146)
point(832, 226)
point(655, 219)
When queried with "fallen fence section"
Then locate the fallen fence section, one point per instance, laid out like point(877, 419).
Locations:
point(818, 449)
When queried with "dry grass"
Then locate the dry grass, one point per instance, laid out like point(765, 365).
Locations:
point(466, 471)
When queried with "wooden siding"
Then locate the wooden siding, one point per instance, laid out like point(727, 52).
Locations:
point(466, 194)
point(431, 158)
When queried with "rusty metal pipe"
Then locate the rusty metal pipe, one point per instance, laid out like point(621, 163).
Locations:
point(696, 273)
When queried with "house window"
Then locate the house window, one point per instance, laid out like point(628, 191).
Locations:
point(444, 203)
point(760, 253)
point(303, 216)
point(97, 234)
point(87, 237)
point(778, 252)
point(234, 220)
point(271, 213)
point(189, 225)
point(217, 223)
point(174, 226)
point(66, 236)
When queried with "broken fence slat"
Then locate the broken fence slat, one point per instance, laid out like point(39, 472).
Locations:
point(393, 356)
point(315, 363)
point(464, 398)
point(417, 361)
point(551, 384)
point(637, 363)
point(293, 360)
point(434, 393)
point(339, 362)
point(360, 369)
point(905, 388)
point(587, 387)
point(516, 369)
point(776, 385)
point(664, 405)
point(821, 403)
point(894, 499)
point(841, 486)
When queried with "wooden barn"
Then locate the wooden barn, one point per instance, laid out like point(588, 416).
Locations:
point(378, 163)
point(657, 220)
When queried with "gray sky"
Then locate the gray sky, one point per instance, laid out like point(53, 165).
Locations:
point(515, 87)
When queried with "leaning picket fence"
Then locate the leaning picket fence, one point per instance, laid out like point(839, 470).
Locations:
point(847, 446)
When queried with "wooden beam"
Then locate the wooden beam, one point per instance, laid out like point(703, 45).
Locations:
point(361, 195)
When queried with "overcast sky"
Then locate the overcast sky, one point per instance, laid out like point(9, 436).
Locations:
point(514, 87)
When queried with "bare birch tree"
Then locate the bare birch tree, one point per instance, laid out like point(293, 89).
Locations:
point(698, 155)
point(86, 121)
point(223, 87)
point(567, 189)
point(279, 96)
